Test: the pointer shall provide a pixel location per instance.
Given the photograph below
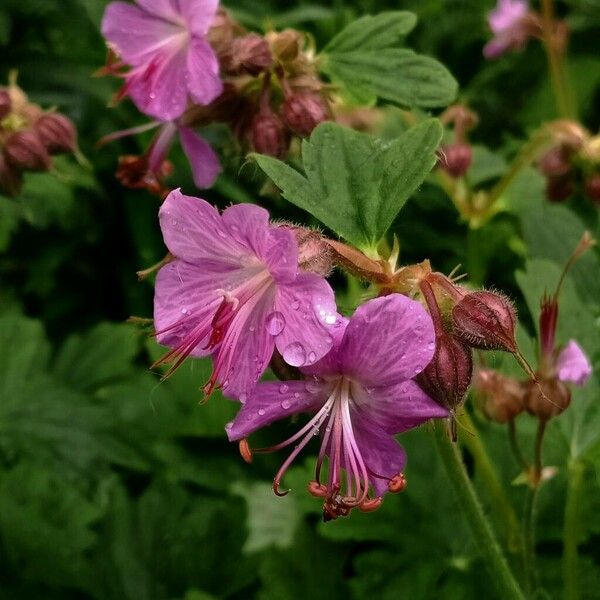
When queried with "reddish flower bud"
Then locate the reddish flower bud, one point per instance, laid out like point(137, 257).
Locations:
point(447, 377)
point(247, 54)
point(25, 151)
point(285, 45)
point(501, 398)
point(303, 112)
point(547, 398)
point(314, 252)
point(11, 179)
point(134, 172)
point(556, 161)
point(5, 103)
point(559, 189)
point(57, 133)
point(455, 159)
point(268, 135)
point(485, 320)
point(592, 187)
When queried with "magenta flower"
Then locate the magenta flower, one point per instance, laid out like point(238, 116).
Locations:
point(235, 291)
point(572, 365)
point(360, 395)
point(507, 24)
point(164, 43)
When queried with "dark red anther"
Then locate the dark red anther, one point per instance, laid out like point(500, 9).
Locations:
point(370, 505)
point(316, 489)
point(397, 483)
point(245, 450)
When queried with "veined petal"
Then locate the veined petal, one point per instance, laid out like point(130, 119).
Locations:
point(272, 401)
point(203, 81)
point(331, 364)
point(203, 159)
point(134, 33)
point(198, 14)
point(573, 365)
point(165, 9)
point(308, 311)
point(388, 340)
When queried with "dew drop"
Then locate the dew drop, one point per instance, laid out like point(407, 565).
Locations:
point(283, 388)
point(295, 354)
point(261, 411)
point(295, 305)
point(228, 426)
point(286, 404)
point(312, 357)
point(296, 395)
point(312, 386)
point(275, 323)
point(243, 398)
point(252, 328)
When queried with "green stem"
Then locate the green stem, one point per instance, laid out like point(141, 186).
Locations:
point(501, 505)
point(570, 530)
point(496, 564)
point(514, 445)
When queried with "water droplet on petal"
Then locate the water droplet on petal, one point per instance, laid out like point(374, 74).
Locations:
point(295, 354)
point(252, 328)
point(286, 404)
point(228, 426)
point(283, 388)
point(295, 305)
point(312, 386)
point(312, 357)
point(261, 411)
point(243, 398)
point(275, 323)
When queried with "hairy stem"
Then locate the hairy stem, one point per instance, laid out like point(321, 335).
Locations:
point(570, 530)
point(501, 575)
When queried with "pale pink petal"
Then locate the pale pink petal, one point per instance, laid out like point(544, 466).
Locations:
point(133, 33)
point(198, 14)
point(496, 47)
point(203, 81)
point(203, 159)
point(272, 401)
point(308, 311)
point(507, 14)
point(165, 9)
point(161, 146)
point(573, 365)
point(388, 340)
point(280, 254)
point(331, 364)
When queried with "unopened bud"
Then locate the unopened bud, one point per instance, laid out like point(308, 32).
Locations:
point(269, 136)
point(285, 45)
point(592, 187)
point(485, 320)
point(455, 159)
point(25, 151)
point(11, 179)
point(57, 133)
point(5, 103)
point(556, 161)
point(314, 253)
point(547, 398)
point(501, 398)
point(447, 377)
point(247, 54)
point(304, 111)
point(559, 189)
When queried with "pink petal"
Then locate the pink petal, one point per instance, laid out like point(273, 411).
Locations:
point(273, 401)
point(161, 146)
point(203, 159)
point(198, 14)
point(308, 311)
point(165, 9)
point(496, 47)
point(573, 365)
point(506, 14)
point(280, 254)
point(331, 364)
point(203, 81)
point(135, 34)
point(388, 340)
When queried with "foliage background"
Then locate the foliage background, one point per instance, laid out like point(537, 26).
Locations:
point(115, 486)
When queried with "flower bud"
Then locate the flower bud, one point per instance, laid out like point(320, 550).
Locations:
point(485, 320)
point(25, 151)
point(559, 189)
point(5, 103)
point(547, 398)
point(268, 135)
point(247, 54)
point(455, 159)
point(592, 187)
point(11, 179)
point(285, 45)
point(501, 398)
point(57, 133)
point(314, 253)
point(447, 377)
point(556, 161)
point(303, 112)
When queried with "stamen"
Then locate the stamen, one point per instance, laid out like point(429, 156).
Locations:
point(370, 505)
point(245, 450)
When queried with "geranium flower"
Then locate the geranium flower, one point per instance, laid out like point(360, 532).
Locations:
point(508, 24)
point(235, 291)
point(572, 365)
point(360, 395)
point(164, 43)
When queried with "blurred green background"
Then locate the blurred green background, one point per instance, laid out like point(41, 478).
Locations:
point(116, 486)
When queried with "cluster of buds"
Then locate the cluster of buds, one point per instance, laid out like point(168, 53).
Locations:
point(572, 163)
point(456, 157)
point(29, 137)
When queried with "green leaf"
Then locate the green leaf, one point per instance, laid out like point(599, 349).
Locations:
point(366, 61)
point(353, 183)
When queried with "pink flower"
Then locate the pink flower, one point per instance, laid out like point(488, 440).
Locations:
point(164, 43)
point(235, 291)
point(572, 365)
point(360, 395)
point(508, 24)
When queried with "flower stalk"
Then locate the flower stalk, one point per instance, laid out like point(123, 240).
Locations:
point(576, 472)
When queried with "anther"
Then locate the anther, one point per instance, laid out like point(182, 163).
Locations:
point(245, 450)
point(397, 483)
point(370, 505)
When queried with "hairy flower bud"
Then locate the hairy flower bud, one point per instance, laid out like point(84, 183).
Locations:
point(25, 151)
point(501, 398)
point(547, 398)
point(285, 45)
point(556, 161)
point(455, 159)
point(592, 187)
point(268, 135)
point(57, 133)
point(304, 111)
point(5, 103)
point(559, 189)
point(247, 54)
point(11, 179)
point(447, 377)
point(485, 320)
point(314, 252)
